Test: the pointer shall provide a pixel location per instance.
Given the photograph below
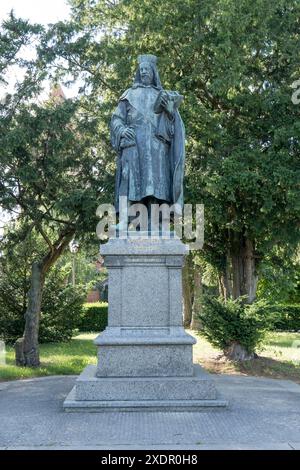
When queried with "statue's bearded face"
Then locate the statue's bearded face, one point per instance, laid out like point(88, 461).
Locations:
point(146, 74)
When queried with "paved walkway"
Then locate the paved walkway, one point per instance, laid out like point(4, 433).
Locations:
point(262, 414)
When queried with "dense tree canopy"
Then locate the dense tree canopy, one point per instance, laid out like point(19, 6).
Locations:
point(51, 174)
point(234, 62)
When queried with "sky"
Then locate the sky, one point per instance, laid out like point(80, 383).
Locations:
point(37, 11)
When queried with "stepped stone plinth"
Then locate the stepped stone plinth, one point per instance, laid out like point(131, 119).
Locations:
point(145, 359)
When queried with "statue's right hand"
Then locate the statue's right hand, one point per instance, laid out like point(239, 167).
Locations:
point(128, 133)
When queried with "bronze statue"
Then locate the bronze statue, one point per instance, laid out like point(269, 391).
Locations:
point(148, 134)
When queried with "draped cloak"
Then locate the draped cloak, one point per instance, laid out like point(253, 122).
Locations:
point(151, 164)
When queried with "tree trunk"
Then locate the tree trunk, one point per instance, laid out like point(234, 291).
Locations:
point(244, 277)
point(236, 352)
point(244, 283)
point(27, 348)
point(187, 293)
point(225, 287)
point(250, 271)
point(197, 303)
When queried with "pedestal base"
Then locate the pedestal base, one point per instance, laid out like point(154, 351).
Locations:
point(144, 352)
point(145, 358)
point(92, 393)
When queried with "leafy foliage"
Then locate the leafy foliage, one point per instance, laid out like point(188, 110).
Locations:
point(284, 317)
point(61, 305)
point(280, 276)
point(15, 34)
point(51, 177)
point(225, 323)
point(61, 308)
point(234, 62)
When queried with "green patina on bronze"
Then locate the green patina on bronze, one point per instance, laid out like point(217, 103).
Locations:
point(148, 134)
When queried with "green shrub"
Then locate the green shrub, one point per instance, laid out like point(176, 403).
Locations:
point(233, 322)
point(11, 325)
point(284, 317)
point(93, 317)
point(61, 308)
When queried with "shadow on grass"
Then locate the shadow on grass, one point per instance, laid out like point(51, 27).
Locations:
point(260, 367)
point(274, 368)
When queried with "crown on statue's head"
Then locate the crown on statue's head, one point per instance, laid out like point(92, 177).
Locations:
point(149, 58)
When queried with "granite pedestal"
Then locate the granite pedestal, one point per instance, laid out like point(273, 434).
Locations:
point(144, 355)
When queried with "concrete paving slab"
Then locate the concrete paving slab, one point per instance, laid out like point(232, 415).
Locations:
point(262, 414)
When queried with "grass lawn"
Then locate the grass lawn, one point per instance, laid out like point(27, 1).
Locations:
point(56, 359)
point(279, 358)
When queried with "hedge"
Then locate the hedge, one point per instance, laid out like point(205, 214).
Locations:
point(93, 317)
point(284, 317)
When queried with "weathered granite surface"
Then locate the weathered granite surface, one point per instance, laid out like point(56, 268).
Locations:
point(145, 360)
point(197, 387)
point(144, 356)
point(143, 393)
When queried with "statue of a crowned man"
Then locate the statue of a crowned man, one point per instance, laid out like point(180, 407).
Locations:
point(148, 134)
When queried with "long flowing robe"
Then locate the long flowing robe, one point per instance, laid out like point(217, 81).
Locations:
point(152, 163)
